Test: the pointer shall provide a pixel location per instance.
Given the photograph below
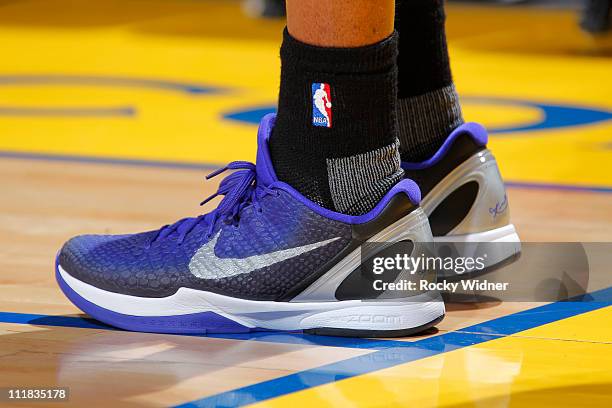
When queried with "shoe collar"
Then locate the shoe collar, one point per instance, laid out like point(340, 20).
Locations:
point(266, 176)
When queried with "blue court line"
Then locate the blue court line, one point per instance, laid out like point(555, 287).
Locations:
point(108, 160)
point(417, 350)
point(109, 81)
point(207, 166)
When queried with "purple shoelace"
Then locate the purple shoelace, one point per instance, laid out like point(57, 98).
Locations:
point(240, 189)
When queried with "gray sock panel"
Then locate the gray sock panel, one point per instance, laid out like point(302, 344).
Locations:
point(425, 121)
point(357, 183)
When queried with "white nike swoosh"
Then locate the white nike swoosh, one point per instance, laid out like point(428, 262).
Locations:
point(206, 265)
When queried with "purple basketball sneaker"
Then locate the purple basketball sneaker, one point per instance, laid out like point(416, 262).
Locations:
point(265, 258)
point(465, 198)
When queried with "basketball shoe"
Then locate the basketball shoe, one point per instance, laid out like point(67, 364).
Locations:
point(265, 258)
point(465, 199)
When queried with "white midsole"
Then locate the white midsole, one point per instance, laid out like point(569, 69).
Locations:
point(353, 314)
point(471, 246)
point(507, 233)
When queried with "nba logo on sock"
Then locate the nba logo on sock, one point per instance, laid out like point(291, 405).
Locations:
point(321, 105)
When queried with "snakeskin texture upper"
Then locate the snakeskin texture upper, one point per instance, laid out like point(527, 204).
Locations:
point(141, 265)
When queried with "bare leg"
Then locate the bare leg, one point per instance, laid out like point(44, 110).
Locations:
point(340, 23)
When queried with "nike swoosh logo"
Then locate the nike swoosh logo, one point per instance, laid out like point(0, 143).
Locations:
point(205, 264)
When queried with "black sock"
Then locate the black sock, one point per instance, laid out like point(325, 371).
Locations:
point(428, 105)
point(343, 156)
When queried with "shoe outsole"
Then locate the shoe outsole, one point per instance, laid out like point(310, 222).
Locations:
point(332, 331)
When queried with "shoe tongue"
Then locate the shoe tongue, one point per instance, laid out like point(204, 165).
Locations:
point(265, 170)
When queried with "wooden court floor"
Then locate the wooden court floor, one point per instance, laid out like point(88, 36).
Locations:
point(112, 113)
